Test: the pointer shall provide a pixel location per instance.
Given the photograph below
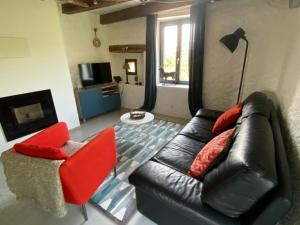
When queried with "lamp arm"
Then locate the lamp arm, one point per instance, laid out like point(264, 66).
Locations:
point(243, 71)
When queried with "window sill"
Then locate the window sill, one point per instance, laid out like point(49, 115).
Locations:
point(184, 86)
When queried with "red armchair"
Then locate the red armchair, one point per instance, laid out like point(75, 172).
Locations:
point(83, 172)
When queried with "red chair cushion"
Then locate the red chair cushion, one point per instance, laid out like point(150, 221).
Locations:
point(55, 136)
point(46, 152)
point(208, 154)
point(227, 119)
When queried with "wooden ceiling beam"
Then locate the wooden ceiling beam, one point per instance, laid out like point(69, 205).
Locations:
point(68, 8)
point(142, 10)
point(77, 3)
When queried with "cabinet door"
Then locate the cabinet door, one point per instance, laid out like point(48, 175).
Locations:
point(111, 102)
point(89, 102)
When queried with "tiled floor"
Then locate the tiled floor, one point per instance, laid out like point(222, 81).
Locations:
point(23, 212)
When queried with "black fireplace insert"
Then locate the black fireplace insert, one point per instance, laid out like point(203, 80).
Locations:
point(26, 113)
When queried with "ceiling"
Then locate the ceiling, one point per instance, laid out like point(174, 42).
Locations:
point(117, 7)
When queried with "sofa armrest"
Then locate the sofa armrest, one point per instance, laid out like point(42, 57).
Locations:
point(162, 191)
point(83, 172)
point(208, 113)
point(159, 180)
point(55, 136)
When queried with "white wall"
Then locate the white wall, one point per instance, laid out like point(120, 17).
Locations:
point(123, 33)
point(262, 22)
point(132, 96)
point(47, 67)
point(78, 34)
point(288, 95)
point(170, 100)
point(117, 63)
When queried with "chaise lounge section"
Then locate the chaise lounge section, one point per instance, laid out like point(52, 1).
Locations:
point(251, 186)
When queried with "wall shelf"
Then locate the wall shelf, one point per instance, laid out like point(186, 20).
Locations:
point(139, 48)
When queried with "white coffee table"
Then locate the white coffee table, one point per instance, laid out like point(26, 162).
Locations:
point(125, 118)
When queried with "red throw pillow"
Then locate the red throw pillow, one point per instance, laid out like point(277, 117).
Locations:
point(46, 152)
point(208, 154)
point(227, 119)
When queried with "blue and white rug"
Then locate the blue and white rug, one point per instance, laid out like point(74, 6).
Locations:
point(136, 144)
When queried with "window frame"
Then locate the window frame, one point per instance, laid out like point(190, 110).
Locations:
point(162, 25)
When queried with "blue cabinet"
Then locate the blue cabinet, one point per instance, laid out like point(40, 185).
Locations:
point(96, 101)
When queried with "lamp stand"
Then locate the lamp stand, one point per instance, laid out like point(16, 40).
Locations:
point(243, 72)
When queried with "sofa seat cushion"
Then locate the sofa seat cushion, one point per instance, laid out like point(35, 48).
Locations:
point(186, 144)
point(179, 153)
point(248, 172)
point(199, 129)
point(173, 157)
point(71, 147)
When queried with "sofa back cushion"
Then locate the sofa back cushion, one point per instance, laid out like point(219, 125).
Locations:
point(256, 103)
point(248, 172)
point(45, 152)
point(211, 154)
point(228, 119)
point(56, 136)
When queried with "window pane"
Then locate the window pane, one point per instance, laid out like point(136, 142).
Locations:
point(170, 48)
point(184, 55)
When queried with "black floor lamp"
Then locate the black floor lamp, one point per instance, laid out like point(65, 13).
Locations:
point(231, 41)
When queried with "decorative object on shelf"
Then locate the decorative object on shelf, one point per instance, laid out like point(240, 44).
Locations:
point(137, 115)
point(125, 118)
point(126, 67)
point(117, 79)
point(164, 76)
point(138, 48)
point(231, 41)
point(96, 40)
point(136, 79)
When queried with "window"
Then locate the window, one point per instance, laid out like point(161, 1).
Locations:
point(174, 51)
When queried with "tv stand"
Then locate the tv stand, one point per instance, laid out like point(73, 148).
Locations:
point(98, 99)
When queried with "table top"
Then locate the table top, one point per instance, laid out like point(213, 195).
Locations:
point(125, 118)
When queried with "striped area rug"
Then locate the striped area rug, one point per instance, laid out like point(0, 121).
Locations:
point(136, 144)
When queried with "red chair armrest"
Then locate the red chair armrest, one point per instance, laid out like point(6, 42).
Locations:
point(55, 136)
point(82, 173)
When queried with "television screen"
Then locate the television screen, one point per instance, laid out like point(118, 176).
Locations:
point(95, 73)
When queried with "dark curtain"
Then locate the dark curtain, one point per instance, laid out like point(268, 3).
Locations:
point(150, 76)
point(196, 57)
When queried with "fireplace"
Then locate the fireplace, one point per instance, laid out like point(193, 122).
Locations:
point(26, 113)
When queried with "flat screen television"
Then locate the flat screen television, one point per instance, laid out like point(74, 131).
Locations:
point(95, 73)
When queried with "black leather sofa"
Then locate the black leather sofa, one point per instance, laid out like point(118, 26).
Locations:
point(251, 186)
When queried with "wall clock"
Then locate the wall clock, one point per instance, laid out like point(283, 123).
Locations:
point(96, 40)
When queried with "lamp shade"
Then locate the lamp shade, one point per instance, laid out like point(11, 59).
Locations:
point(231, 41)
point(126, 66)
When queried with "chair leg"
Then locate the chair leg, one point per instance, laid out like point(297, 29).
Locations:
point(84, 212)
point(115, 172)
